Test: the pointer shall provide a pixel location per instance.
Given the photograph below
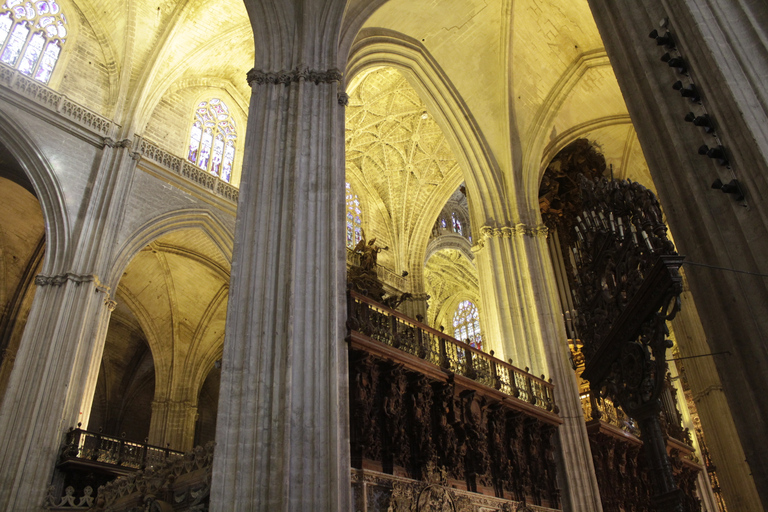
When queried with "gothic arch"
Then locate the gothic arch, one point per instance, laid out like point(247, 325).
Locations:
point(47, 189)
point(544, 121)
point(574, 133)
point(381, 47)
point(191, 218)
point(449, 241)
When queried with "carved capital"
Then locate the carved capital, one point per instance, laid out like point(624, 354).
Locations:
point(519, 229)
point(111, 304)
point(60, 279)
point(343, 99)
point(284, 77)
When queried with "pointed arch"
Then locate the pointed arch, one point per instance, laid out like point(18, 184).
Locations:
point(545, 119)
point(186, 218)
point(573, 133)
point(381, 47)
point(48, 190)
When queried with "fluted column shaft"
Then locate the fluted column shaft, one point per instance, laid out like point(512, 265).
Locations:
point(57, 366)
point(501, 269)
point(282, 428)
point(720, 433)
point(520, 301)
point(582, 493)
point(47, 384)
point(724, 46)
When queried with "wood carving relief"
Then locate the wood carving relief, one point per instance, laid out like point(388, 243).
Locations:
point(406, 423)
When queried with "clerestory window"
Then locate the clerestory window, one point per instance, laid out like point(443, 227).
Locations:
point(212, 139)
point(31, 36)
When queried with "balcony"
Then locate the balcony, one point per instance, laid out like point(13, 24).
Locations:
point(432, 416)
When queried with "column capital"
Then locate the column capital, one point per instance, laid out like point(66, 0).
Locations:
point(60, 279)
point(509, 231)
point(286, 77)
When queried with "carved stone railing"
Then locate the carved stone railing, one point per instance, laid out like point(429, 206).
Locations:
point(57, 102)
point(54, 101)
point(370, 319)
point(121, 456)
point(180, 484)
point(188, 171)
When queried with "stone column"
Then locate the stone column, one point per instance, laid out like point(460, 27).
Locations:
point(500, 270)
point(282, 440)
point(719, 430)
point(54, 376)
point(520, 301)
point(173, 424)
point(581, 492)
point(724, 45)
point(47, 385)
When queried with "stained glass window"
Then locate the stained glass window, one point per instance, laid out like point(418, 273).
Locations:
point(354, 226)
point(212, 139)
point(466, 324)
point(456, 224)
point(31, 36)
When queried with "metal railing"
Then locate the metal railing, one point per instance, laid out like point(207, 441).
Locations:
point(396, 330)
point(96, 447)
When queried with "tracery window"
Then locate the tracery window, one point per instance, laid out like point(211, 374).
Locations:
point(212, 139)
point(466, 324)
point(354, 225)
point(31, 36)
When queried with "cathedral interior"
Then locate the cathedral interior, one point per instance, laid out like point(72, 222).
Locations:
point(322, 255)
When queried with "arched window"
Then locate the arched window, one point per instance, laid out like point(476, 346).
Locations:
point(354, 227)
point(466, 324)
point(212, 139)
point(31, 36)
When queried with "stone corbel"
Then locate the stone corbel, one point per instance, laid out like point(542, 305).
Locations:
point(111, 143)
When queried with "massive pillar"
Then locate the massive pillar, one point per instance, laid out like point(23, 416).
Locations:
point(282, 439)
point(520, 302)
point(715, 415)
point(581, 492)
point(54, 377)
point(723, 44)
